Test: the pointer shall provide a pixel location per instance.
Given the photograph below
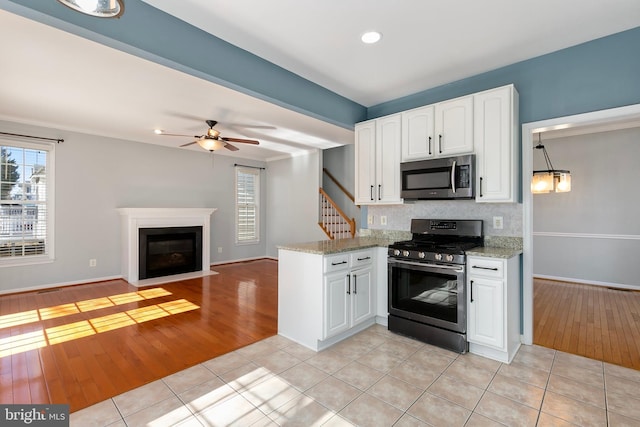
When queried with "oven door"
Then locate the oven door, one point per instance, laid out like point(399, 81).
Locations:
point(428, 293)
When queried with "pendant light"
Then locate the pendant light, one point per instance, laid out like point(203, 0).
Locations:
point(545, 181)
point(98, 8)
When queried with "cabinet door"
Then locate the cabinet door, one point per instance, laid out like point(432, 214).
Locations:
point(388, 133)
point(365, 168)
point(336, 304)
point(495, 145)
point(417, 134)
point(454, 126)
point(362, 296)
point(485, 321)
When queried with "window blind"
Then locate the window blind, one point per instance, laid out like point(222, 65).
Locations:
point(247, 194)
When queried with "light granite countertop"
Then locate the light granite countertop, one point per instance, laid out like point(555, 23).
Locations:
point(328, 247)
point(494, 252)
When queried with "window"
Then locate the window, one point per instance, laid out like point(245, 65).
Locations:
point(26, 203)
point(247, 202)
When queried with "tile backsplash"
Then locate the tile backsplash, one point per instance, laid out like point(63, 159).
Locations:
point(398, 217)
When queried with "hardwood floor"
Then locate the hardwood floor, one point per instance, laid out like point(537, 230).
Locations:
point(83, 344)
point(591, 321)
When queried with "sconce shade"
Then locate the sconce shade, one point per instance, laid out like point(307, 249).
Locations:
point(98, 8)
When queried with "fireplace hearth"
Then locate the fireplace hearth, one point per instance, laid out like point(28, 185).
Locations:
point(169, 250)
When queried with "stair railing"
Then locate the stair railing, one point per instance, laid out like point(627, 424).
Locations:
point(333, 221)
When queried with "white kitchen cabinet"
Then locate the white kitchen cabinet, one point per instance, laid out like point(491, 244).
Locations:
point(493, 307)
point(348, 300)
point(418, 130)
point(323, 299)
point(454, 127)
point(377, 168)
point(496, 144)
point(438, 130)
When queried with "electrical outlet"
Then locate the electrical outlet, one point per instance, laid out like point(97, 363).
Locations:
point(370, 219)
point(383, 220)
point(498, 222)
point(219, 249)
point(93, 262)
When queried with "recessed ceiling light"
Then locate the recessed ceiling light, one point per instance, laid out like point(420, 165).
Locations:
point(98, 8)
point(158, 131)
point(371, 37)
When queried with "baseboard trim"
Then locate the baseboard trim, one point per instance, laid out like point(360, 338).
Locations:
point(60, 285)
point(237, 261)
point(588, 282)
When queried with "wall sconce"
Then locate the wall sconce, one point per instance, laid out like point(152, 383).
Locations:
point(545, 181)
point(98, 8)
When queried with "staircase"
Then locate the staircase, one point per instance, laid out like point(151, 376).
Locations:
point(333, 221)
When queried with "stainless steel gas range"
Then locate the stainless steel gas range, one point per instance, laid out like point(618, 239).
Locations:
point(427, 281)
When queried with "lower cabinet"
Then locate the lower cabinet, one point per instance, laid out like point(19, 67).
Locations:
point(493, 307)
point(348, 300)
point(323, 299)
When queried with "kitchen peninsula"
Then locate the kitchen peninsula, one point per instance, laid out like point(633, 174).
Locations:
point(329, 290)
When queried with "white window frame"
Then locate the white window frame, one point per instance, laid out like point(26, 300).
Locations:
point(256, 173)
point(49, 254)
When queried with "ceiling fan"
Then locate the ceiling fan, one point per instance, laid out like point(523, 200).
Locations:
point(212, 140)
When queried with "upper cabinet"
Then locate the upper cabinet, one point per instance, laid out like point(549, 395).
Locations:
point(377, 153)
point(484, 124)
point(418, 131)
point(496, 144)
point(439, 130)
point(454, 126)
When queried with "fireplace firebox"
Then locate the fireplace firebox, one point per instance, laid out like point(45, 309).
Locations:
point(165, 251)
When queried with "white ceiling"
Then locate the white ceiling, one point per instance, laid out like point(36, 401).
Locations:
point(55, 79)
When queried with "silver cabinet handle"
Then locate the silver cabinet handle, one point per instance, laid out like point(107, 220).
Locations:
point(485, 268)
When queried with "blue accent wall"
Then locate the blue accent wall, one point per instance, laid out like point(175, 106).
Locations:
point(149, 33)
point(599, 74)
point(596, 75)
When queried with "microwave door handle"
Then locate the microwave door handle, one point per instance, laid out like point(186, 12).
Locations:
point(453, 176)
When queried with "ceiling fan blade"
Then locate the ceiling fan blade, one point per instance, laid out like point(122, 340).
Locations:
point(174, 134)
point(230, 147)
point(244, 141)
point(189, 143)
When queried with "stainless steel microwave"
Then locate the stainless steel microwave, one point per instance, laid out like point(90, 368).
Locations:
point(444, 178)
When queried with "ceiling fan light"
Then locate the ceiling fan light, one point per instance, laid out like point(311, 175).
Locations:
point(211, 144)
point(97, 8)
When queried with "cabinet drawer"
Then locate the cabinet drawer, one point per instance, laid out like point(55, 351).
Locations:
point(485, 267)
point(363, 258)
point(336, 263)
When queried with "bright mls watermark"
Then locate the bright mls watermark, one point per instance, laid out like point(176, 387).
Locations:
point(34, 415)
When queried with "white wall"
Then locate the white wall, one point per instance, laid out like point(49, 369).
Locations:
point(292, 201)
point(591, 234)
point(96, 175)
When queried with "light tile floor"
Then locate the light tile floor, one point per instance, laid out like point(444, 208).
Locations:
point(377, 378)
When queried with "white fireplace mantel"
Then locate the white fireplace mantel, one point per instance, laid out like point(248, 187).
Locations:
point(133, 219)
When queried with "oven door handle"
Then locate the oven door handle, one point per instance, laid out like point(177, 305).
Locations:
point(457, 269)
